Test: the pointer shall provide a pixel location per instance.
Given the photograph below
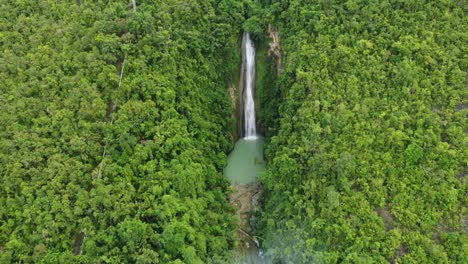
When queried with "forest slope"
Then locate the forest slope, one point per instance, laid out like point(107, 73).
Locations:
point(367, 156)
point(99, 169)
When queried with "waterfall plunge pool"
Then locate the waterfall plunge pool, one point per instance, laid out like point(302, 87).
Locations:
point(245, 162)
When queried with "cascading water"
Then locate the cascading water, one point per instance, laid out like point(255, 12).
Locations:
point(250, 131)
point(245, 162)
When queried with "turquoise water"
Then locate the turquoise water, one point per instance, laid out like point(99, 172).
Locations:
point(245, 162)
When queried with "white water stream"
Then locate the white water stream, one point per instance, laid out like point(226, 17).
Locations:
point(250, 131)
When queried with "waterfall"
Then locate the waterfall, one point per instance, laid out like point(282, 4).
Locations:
point(245, 163)
point(250, 131)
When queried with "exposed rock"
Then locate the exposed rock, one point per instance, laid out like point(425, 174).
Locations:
point(79, 237)
point(387, 217)
point(245, 199)
point(232, 95)
point(275, 48)
point(462, 106)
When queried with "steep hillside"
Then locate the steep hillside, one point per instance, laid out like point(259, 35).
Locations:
point(114, 126)
point(367, 152)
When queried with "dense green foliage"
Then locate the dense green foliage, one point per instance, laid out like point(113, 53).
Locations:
point(114, 126)
point(102, 170)
point(367, 159)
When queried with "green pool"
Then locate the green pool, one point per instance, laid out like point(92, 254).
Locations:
point(245, 162)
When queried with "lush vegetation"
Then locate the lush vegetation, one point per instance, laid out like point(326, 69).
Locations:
point(114, 126)
point(367, 152)
point(115, 123)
